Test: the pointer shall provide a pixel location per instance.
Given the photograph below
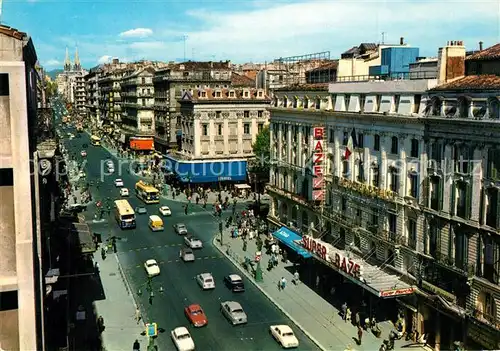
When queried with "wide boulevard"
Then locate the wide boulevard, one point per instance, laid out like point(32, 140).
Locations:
point(177, 278)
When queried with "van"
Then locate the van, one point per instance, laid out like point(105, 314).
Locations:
point(155, 223)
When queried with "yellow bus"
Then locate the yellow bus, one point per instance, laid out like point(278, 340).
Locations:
point(95, 140)
point(147, 193)
point(124, 214)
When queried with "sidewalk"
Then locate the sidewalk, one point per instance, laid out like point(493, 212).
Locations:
point(317, 318)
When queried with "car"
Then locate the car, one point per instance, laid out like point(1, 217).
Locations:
point(205, 281)
point(284, 335)
point(165, 211)
point(83, 153)
point(182, 339)
point(124, 192)
point(234, 283)
point(118, 182)
point(233, 311)
point(195, 315)
point(152, 268)
point(141, 210)
point(187, 254)
point(192, 242)
point(180, 228)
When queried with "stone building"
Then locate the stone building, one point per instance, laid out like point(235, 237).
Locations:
point(218, 129)
point(71, 82)
point(403, 198)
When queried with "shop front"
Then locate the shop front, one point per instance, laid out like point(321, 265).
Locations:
point(142, 144)
point(219, 173)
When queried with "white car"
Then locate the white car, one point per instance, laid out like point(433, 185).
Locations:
point(124, 192)
point(118, 182)
point(165, 211)
point(187, 255)
point(193, 242)
point(152, 268)
point(284, 335)
point(182, 339)
point(205, 281)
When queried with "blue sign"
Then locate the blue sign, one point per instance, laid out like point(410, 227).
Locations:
point(206, 172)
point(151, 329)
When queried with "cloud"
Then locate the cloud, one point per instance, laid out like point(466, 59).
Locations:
point(137, 33)
point(104, 59)
point(52, 63)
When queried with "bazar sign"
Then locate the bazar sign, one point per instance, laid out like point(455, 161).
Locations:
point(318, 164)
point(397, 292)
point(343, 263)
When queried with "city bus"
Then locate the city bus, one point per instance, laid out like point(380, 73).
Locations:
point(147, 193)
point(124, 214)
point(95, 140)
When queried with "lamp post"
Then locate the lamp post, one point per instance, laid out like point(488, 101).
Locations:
point(149, 289)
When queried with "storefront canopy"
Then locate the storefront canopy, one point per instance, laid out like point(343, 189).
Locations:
point(292, 240)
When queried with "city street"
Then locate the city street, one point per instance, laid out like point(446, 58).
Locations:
point(175, 287)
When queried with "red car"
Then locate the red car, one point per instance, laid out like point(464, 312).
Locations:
point(196, 315)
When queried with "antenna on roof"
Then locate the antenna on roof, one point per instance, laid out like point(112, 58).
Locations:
point(1, 3)
point(383, 37)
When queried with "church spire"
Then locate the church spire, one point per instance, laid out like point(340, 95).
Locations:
point(77, 66)
point(67, 61)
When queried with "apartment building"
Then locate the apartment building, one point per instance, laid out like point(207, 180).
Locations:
point(71, 82)
point(21, 312)
point(218, 128)
point(92, 96)
point(383, 202)
point(169, 85)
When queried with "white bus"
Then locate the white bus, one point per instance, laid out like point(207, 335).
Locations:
point(124, 214)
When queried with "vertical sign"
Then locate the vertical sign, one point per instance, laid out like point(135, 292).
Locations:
point(318, 164)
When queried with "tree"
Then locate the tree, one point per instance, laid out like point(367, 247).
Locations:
point(261, 149)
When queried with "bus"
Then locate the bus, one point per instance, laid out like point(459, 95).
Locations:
point(147, 193)
point(124, 214)
point(95, 140)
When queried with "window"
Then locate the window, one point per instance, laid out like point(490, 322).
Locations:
point(345, 168)
point(219, 129)
point(412, 234)
point(260, 114)
point(143, 102)
point(376, 142)
point(392, 219)
point(260, 93)
point(218, 114)
point(461, 158)
point(343, 204)
point(246, 114)
point(246, 94)
point(414, 148)
point(231, 94)
point(435, 193)
point(260, 126)
point(361, 140)
point(413, 191)
point(394, 145)
point(493, 164)
point(394, 176)
point(397, 98)
point(416, 103)
point(246, 128)
point(217, 94)
point(375, 176)
point(205, 130)
point(462, 201)
point(345, 139)
point(492, 207)
point(461, 248)
point(331, 136)
point(203, 94)
point(318, 104)
point(434, 240)
point(143, 80)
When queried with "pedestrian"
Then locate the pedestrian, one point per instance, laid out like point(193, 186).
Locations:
point(296, 278)
point(357, 319)
point(137, 315)
point(343, 309)
point(136, 346)
point(348, 314)
point(360, 334)
point(103, 253)
point(283, 283)
point(317, 281)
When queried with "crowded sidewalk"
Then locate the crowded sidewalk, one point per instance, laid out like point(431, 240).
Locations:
point(316, 316)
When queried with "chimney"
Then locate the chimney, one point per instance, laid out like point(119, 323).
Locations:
point(401, 41)
point(451, 62)
point(116, 61)
point(480, 46)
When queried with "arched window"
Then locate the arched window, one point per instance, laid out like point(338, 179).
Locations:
point(486, 308)
point(285, 101)
point(437, 103)
point(464, 106)
point(493, 108)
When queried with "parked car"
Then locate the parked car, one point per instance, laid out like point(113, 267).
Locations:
point(195, 315)
point(205, 281)
point(234, 283)
point(124, 192)
point(187, 254)
point(192, 242)
point(165, 211)
point(180, 228)
point(233, 311)
point(284, 335)
point(118, 182)
point(152, 268)
point(182, 339)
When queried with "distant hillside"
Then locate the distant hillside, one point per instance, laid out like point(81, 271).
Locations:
point(53, 74)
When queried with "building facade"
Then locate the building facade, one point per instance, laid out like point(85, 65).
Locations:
point(391, 197)
point(71, 83)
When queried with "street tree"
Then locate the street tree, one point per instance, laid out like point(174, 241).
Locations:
point(261, 150)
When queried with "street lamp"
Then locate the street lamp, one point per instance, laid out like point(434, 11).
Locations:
point(149, 289)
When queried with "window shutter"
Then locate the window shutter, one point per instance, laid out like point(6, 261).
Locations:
point(440, 193)
point(481, 207)
point(453, 198)
point(468, 202)
point(426, 192)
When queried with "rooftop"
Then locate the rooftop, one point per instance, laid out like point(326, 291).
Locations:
point(474, 82)
point(491, 53)
point(240, 80)
point(198, 65)
point(305, 87)
point(239, 95)
point(330, 65)
point(12, 32)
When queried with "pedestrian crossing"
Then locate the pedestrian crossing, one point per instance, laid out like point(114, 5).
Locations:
point(204, 258)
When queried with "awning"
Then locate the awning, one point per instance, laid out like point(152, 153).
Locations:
point(85, 240)
point(242, 186)
point(292, 240)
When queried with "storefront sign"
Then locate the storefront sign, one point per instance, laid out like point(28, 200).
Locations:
point(145, 144)
point(438, 291)
point(347, 265)
point(319, 164)
point(397, 292)
point(315, 246)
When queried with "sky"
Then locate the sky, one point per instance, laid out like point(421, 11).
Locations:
point(242, 31)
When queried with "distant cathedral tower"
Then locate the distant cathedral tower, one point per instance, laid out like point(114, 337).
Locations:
point(67, 62)
point(77, 66)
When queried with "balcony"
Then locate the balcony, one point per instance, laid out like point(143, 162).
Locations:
point(369, 190)
point(448, 262)
point(392, 237)
point(147, 95)
point(389, 77)
point(290, 195)
point(486, 318)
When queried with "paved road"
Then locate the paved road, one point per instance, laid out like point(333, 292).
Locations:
point(177, 278)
